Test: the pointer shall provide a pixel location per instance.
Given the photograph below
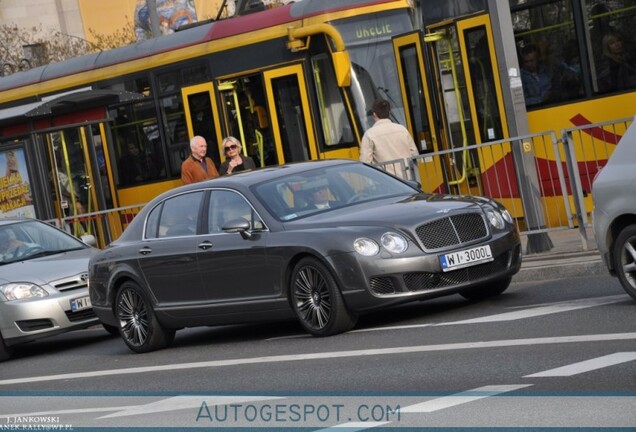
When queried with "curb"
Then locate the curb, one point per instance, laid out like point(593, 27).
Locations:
point(543, 269)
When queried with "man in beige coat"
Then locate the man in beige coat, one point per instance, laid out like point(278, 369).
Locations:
point(385, 140)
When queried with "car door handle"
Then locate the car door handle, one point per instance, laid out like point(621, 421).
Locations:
point(145, 250)
point(205, 245)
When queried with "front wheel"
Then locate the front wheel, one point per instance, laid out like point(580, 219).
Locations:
point(624, 257)
point(138, 323)
point(487, 290)
point(317, 301)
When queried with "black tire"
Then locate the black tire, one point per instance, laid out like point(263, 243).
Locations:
point(112, 330)
point(317, 301)
point(138, 323)
point(624, 257)
point(5, 351)
point(485, 291)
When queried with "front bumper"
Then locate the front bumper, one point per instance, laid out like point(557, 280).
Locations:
point(369, 283)
point(27, 320)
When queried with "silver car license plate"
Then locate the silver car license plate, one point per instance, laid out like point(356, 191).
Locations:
point(465, 258)
point(81, 303)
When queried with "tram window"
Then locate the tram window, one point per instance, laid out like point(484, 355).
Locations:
point(548, 52)
point(137, 144)
point(175, 131)
point(336, 127)
point(612, 44)
point(169, 82)
point(139, 85)
point(185, 75)
point(195, 74)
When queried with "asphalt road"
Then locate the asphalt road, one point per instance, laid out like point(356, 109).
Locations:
point(558, 353)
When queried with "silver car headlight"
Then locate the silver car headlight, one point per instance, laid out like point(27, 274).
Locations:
point(366, 246)
point(495, 219)
point(394, 242)
point(22, 290)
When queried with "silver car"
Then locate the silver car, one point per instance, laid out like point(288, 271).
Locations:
point(43, 282)
point(614, 215)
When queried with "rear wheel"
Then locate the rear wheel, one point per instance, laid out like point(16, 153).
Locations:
point(624, 256)
point(5, 351)
point(317, 301)
point(138, 323)
point(485, 291)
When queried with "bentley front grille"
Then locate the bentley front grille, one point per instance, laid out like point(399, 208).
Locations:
point(452, 231)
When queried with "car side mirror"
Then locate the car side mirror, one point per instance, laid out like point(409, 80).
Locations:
point(415, 184)
point(89, 239)
point(238, 225)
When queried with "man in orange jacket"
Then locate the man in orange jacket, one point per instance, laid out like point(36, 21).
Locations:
point(198, 166)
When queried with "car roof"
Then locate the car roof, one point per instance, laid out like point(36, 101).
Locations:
point(249, 178)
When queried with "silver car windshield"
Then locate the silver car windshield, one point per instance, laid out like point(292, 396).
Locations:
point(320, 190)
point(30, 239)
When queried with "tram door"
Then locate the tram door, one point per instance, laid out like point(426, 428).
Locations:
point(201, 112)
point(466, 91)
point(287, 98)
point(417, 101)
point(79, 177)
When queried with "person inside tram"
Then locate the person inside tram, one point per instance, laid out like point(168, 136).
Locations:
point(135, 166)
point(70, 194)
point(618, 68)
point(565, 68)
point(535, 77)
point(235, 161)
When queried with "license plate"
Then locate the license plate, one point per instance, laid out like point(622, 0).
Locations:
point(81, 303)
point(465, 258)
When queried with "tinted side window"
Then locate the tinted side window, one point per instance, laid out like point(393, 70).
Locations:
point(152, 223)
point(226, 206)
point(180, 214)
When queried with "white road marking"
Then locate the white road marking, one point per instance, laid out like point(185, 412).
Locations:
point(326, 355)
point(588, 365)
point(461, 398)
point(532, 312)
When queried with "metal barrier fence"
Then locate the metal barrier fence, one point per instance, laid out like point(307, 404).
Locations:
point(543, 179)
point(105, 225)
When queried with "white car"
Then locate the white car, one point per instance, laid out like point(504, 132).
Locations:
point(43, 282)
point(614, 216)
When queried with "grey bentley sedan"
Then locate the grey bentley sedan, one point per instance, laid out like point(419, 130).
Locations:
point(323, 241)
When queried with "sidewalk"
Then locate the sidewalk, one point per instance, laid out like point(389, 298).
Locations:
point(567, 258)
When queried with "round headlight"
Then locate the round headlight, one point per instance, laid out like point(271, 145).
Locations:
point(366, 247)
point(495, 219)
point(22, 290)
point(394, 242)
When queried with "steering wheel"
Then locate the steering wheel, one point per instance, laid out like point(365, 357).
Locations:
point(28, 251)
point(358, 197)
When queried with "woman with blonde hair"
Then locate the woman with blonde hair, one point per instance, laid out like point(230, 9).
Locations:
point(619, 71)
point(235, 161)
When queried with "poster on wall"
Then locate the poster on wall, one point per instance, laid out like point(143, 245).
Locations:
point(15, 191)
